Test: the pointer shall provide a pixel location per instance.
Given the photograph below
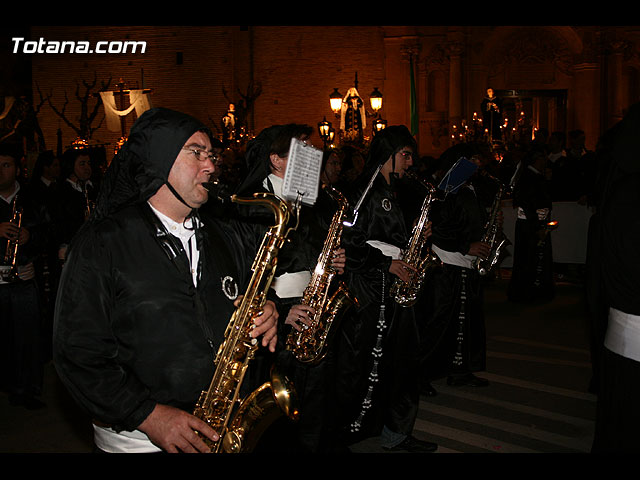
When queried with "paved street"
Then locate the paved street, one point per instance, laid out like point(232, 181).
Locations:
point(537, 401)
point(538, 365)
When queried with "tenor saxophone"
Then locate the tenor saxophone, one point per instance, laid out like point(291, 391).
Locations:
point(240, 422)
point(493, 235)
point(417, 254)
point(311, 344)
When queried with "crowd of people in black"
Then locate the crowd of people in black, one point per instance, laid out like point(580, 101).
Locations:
point(127, 279)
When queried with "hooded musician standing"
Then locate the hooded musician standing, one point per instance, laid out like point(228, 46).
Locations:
point(147, 291)
point(378, 383)
point(267, 158)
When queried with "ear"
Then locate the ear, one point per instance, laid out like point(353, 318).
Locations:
point(276, 163)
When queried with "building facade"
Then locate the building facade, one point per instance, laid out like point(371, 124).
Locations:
point(556, 77)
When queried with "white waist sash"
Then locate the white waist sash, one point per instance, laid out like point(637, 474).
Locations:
point(291, 285)
point(454, 258)
point(623, 334)
point(108, 440)
point(542, 213)
point(386, 248)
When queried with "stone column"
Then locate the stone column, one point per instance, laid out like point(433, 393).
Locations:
point(586, 102)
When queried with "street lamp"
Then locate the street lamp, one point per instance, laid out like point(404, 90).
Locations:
point(335, 100)
point(324, 129)
point(376, 100)
point(378, 125)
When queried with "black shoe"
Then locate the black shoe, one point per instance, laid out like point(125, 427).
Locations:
point(428, 390)
point(468, 380)
point(413, 445)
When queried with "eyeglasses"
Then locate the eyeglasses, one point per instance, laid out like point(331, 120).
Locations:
point(202, 155)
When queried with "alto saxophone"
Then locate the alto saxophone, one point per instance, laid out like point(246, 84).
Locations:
point(240, 422)
point(493, 235)
point(417, 254)
point(11, 251)
point(311, 344)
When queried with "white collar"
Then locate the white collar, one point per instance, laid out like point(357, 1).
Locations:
point(10, 198)
point(182, 230)
point(77, 186)
point(277, 183)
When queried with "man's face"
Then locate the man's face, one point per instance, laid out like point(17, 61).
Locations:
point(190, 171)
point(333, 168)
point(82, 168)
point(8, 172)
point(279, 164)
point(404, 159)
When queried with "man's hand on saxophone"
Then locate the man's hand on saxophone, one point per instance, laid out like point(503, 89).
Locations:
point(479, 249)
point(339, 260)
point(300, 317)
point(401, 269)
point(266, 324)
point(174, 430)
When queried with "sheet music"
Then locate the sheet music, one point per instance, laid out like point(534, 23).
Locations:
point(457, 175)
point(303, 172)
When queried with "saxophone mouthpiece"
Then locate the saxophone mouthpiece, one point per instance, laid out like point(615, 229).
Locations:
point(217, 190)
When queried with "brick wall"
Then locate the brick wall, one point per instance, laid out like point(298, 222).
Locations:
point(188, 68)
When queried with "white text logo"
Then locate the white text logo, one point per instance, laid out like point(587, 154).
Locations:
point(70, 46)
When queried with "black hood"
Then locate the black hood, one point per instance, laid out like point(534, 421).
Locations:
point(143, 163)
point(257, 159)
point(386, 143)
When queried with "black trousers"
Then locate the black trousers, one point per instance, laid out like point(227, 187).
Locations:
point(21, 338)
point(452, 330)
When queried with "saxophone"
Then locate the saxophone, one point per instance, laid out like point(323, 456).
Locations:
point(417, 254)
point(11, 251)
point(310, 345)
point(494, 236)
point(240, 422)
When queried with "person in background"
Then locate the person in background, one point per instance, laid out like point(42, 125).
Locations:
point(532, 273)
point(76, 195)
point(21, 341)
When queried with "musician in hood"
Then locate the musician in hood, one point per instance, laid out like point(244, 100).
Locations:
point(148, 289)
point(453, 339)
point(378, 347)
point(267, 158)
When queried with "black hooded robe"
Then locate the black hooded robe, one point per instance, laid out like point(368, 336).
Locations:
point(532, 274)
point(377, 356)
point(616, 239)
point(313, 382)
point(131, 329)
point(453, 339)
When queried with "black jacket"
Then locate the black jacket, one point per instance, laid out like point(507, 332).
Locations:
point(131, 328)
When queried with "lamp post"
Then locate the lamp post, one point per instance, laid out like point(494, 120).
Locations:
point(376, 100)
point(337, 100)
point(324, 130)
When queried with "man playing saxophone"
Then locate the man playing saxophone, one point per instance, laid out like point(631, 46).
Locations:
point(267, 157)
point(454, 336)
point(148, 289)
point(378, 345)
